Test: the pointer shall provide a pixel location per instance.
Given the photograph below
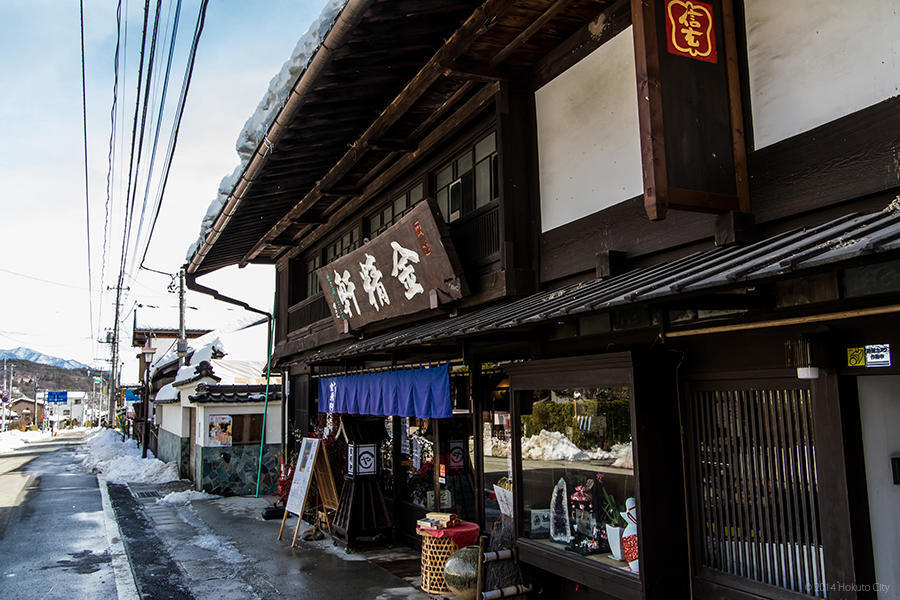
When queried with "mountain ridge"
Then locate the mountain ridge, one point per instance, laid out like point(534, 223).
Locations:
point(27, 354)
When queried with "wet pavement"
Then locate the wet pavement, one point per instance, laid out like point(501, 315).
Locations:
point(53, 538)
point(63, 535)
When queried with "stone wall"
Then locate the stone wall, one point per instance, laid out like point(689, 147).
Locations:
point(231, 471)
point(171, 448)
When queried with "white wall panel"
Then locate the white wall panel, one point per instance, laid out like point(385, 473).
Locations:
point(813, 61)
point(589, 149)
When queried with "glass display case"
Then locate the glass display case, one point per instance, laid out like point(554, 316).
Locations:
point(578, 473)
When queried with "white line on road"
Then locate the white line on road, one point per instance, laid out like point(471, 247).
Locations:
point(126, 589)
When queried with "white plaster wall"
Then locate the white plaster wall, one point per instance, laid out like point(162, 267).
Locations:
point(273, 418)
point(589, 150)
point(172, 419)
point(813, 61)
point(879, 404)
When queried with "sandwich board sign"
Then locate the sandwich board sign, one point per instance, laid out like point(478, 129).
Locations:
point(311, 462)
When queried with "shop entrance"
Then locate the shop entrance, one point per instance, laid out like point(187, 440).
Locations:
point(754, 488)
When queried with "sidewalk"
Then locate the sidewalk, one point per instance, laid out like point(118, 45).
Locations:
point(224, 550)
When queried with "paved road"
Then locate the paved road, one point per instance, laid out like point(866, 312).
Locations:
point(53, 534)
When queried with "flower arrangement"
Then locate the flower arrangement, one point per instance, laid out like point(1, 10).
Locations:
point(610, 510)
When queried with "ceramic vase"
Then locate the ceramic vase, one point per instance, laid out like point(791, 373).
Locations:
point(614, 537)
point(630, 535)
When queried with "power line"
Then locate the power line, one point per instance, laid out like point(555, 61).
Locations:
point(162, 105)
point(87, 203)
point(173, 139)
point(110, 172)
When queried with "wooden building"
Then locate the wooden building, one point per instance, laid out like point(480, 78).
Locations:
point(663, 233)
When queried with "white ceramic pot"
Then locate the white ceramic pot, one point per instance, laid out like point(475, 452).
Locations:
point(614, 537)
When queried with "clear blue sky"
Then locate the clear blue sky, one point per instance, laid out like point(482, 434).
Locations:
point(42, 210)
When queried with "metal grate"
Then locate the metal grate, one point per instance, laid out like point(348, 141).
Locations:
point(754, 486)
point(150, 494)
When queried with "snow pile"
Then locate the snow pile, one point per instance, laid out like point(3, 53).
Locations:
point(13, 439)
point(257, 126)
point(623, 455)
point(551, 445)
point(223, 548)
point(554, 445)
point(121, 462)
point(185, 497)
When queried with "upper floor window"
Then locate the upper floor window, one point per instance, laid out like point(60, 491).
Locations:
point(470, 181)
point(342, 245)
point(390, 214)
point(312, 280)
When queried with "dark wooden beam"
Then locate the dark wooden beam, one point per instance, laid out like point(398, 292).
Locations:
point(394, 145)
point(602, 28)
point(472, 107)
point(476, 25)
point(474, 72)
point(528, 32)
point(650, 108)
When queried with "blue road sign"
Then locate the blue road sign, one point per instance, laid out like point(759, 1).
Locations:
point(131, 395)
point(57, 396)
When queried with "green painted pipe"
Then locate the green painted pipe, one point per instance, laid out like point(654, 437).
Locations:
point(262, 438)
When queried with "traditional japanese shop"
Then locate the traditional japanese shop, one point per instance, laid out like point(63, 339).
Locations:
point(607, 268)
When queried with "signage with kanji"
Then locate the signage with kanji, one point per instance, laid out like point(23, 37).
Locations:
point(690, 30)
point(409, 268)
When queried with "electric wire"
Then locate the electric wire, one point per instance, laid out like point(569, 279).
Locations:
point(87, 202)
point(173, 139)
point(162, 104)
point(111, 157)
point(122, 258)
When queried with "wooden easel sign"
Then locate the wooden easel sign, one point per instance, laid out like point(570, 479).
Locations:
point(311, 461)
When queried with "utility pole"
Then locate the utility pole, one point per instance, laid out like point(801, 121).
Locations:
point(35, 418)
point(182, 335)
point(114, 380)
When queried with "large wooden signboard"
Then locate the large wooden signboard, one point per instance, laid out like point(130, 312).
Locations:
point(689, 106)
point(311, 462)
point(409, 268)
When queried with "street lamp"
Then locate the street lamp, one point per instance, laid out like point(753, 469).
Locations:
point(147, 353)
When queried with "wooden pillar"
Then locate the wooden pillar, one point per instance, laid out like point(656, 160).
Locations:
point(659, 477)
point(436, 463)
point(476, 405)
point(515, 450)
point(831, 481)
point(518, 175)
point(396, 473)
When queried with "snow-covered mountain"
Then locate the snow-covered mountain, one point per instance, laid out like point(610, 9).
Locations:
point(34, 356)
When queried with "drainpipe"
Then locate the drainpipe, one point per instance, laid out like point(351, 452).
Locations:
point(191, 281)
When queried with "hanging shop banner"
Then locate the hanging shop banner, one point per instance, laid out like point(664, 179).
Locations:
point(457, 454)
point(409, 268)
point(422, 393)
point(220, 430)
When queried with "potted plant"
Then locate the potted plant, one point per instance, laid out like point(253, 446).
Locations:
point(613, 520)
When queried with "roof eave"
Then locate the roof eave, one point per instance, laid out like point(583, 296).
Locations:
point(340, 31)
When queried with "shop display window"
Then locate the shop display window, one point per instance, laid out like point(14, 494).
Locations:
point(577, 484)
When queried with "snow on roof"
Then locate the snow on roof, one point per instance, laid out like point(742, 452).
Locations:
point(257, 126)
point(166, 393)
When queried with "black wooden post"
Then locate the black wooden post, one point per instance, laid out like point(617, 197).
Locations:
point(659, 477)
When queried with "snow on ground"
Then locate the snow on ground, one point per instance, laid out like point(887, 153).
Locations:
point(121, 462)
point(221, 546)
point(185, 497)
point(14, 439)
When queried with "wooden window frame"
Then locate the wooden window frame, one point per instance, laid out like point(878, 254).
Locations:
point(245, 423)
point(613, 369)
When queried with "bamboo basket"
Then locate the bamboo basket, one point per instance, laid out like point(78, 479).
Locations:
point(435, 552)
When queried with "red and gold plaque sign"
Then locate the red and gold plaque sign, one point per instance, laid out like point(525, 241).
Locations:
point(690, 31)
